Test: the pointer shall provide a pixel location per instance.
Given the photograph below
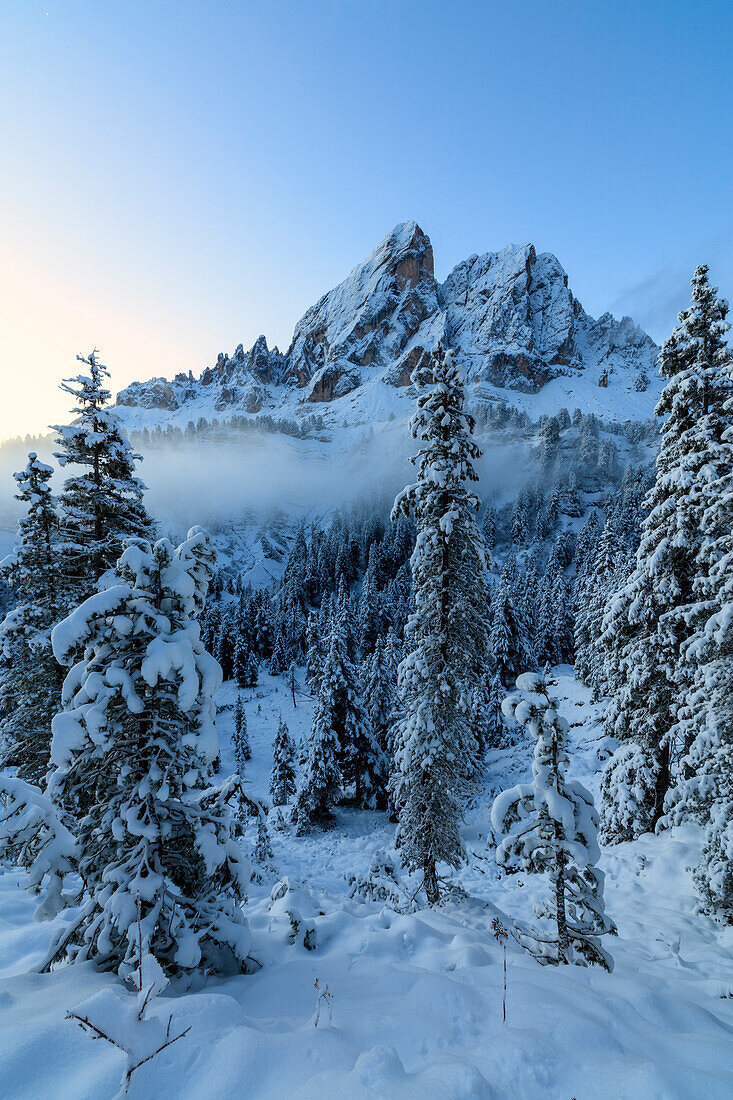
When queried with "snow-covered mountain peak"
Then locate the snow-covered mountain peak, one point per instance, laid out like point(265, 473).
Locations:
point(509, 316)
point(368, 320)
point(515, 323)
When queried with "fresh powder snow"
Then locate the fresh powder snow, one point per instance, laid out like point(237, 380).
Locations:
point(416, 996)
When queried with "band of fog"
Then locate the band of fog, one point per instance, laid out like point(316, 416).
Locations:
point(210, 484)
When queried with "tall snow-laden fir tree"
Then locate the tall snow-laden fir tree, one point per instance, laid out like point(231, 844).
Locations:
point(279, 663)
point(496, 730)
point(564, 620)
point(649, 621)
point(510, 646)
point(705, 790)
point(704, 787)
point(132, 758)
point(592, 591)
point(314, 651)
point(545, 644)
point(320, 782)
point(30, 677)
point(241, 663)
point(379, 686)
point(587, 544)
point(488, 527)
point(102, 500)
point(550, 827)
point(242, 752)
point(371, 615)
point(361, 761)
point(446, 637)
point(282, 776)
point(253, 673)
point(604, 569)
point(291, 602)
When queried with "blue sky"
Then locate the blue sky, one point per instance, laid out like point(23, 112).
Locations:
point(179, 177)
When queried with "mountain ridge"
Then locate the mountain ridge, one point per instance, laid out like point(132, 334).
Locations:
point(509, 316)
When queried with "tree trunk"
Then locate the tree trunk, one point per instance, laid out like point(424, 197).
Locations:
point(662, 784)
point(430, 879)
point(560, 915)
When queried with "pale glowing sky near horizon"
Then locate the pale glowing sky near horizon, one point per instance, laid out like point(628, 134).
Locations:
point(178, 177)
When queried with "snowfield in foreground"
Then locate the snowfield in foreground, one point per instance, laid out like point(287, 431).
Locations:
point(416, 1009)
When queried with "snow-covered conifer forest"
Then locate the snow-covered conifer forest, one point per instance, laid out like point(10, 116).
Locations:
point(366, 710)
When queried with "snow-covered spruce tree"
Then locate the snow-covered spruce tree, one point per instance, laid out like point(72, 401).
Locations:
point(132, 758)
point(593, 589)
point(314, 651)
point(361, 762)
point(34, 835)
point(370, 610)
point(481, 719)
point(344, 619)
point(545, 643)
point(279, 663)
point(282, 776)
point(379, 685)
point(564, 619)
point(242, 751)
point(550, 827)
point(606, 571)
point(393, 652)
point(510, 646)
point(587, 545)
point(102, 501)
point(446, 637)
point(704, 789)
point(320, 782)
point(709, 795)
point(263, 857)
point(648, 622)
point(496, 730)
point(253, 671)
point(488, 528)
point(30, 677)
point(241, 663)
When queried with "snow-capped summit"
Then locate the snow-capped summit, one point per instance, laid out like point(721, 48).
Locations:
point(509, 317)
point(512, 318)
point(367, 323)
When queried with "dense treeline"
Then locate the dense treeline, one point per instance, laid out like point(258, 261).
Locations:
point(203, 431)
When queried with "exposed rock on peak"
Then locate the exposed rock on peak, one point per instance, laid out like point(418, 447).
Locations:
point(156, 393)
point(514, 322)
point(369, 319)
point(509, 316)
point(238, 380)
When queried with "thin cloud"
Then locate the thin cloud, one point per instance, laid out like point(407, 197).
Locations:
point(655, 301)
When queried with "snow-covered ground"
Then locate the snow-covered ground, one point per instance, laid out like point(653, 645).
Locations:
point(416, 1008)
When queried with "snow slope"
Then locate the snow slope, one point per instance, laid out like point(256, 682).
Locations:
point(416, 997)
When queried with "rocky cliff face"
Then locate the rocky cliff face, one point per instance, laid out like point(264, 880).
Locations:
point(509, 316)
point(512, 316)
point(513, 320)
point(240, 381)
point(368, 322)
